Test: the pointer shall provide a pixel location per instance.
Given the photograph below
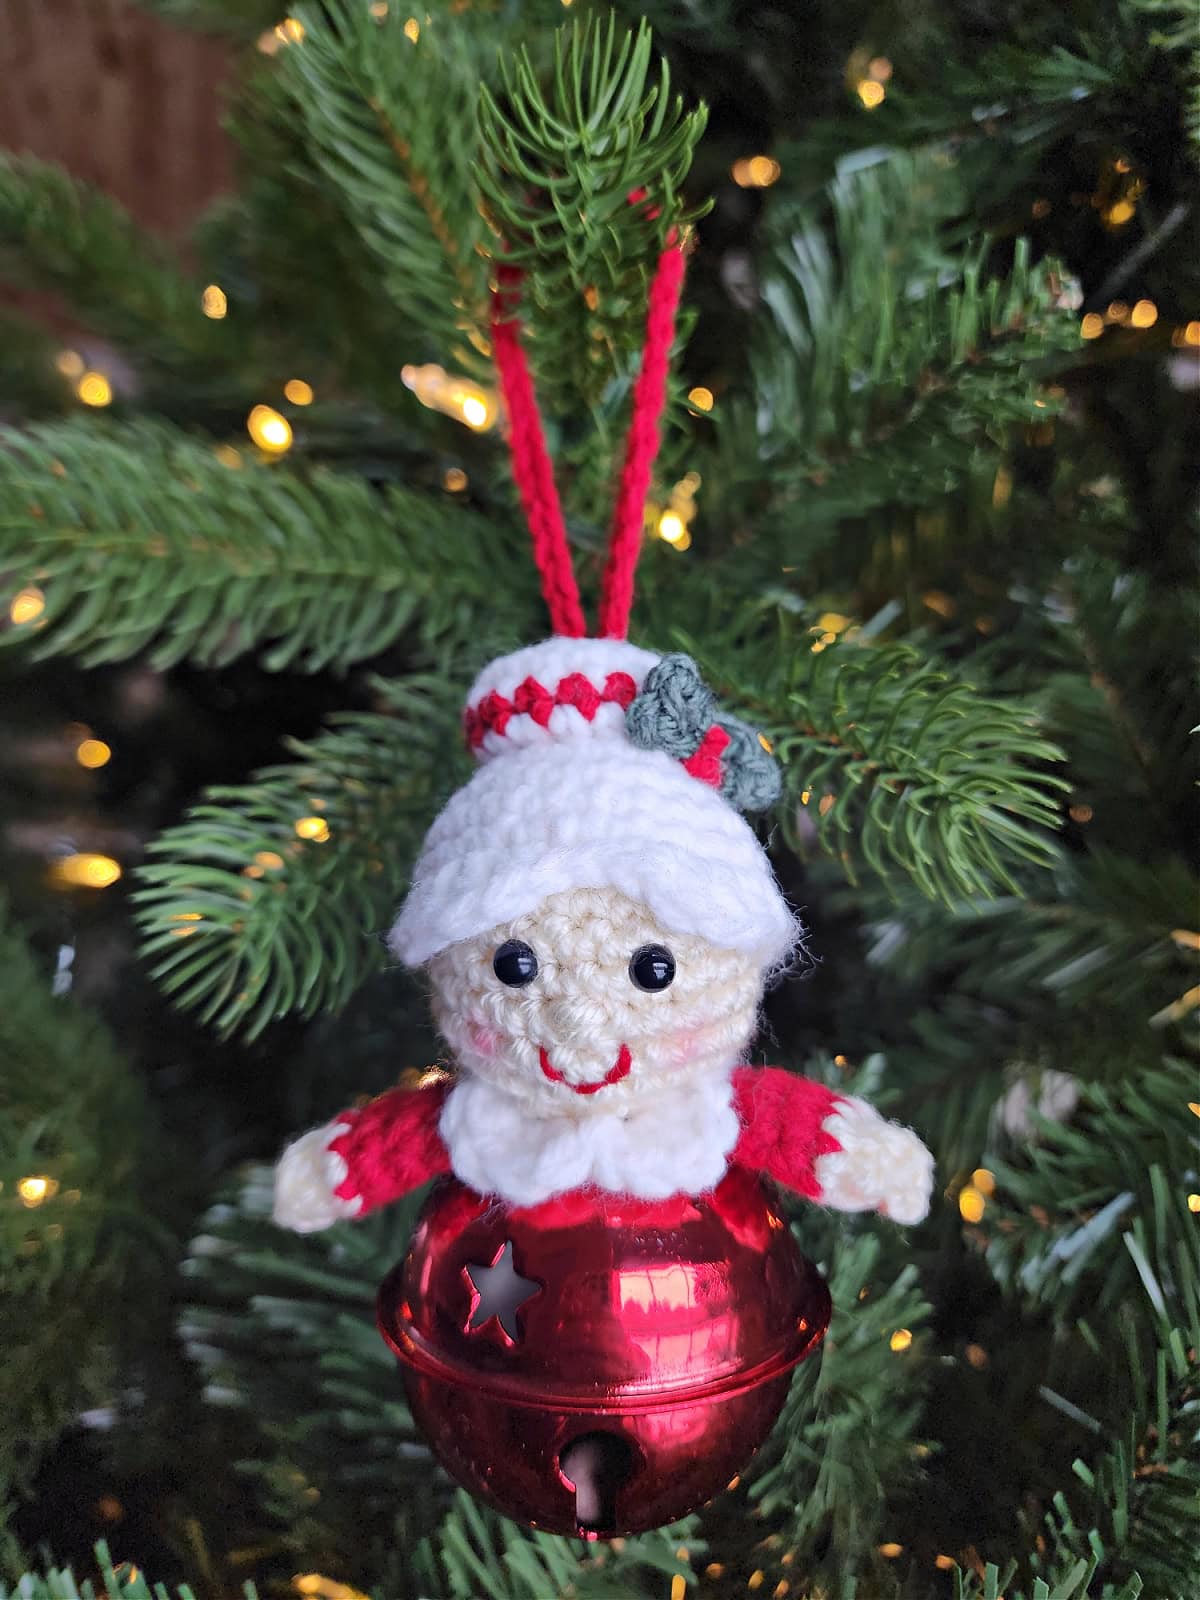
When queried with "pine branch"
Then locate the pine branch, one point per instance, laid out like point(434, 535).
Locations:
point(145, 541)
point(888, 359)
point(70, 1116)
point(1127, 1524)
point(845, 1441)
point(485, 1553)
point(1094, 1220)
point(1103, 933)
point(122, 1582)
point(561, 166)
point(392, 124)
point(59, 234)
point(894, 764)
point(283, 1329)
point(272, 897)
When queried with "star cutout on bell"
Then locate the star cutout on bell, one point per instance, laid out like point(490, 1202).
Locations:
point(498, 1291)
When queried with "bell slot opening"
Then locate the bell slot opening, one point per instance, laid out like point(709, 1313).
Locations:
point(596, 1467)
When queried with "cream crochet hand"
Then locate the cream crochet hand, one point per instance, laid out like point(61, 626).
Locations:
point(305, 1179)
point(881, 1166)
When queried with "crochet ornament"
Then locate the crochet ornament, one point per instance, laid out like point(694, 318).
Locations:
point(601, 1304)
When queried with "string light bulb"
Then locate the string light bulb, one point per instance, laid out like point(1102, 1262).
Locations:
point(93, 753)
point(671, 527)
point(86, 869)
point(298, 392)
point(900, 1340)
point(700, 398)
point(70, 363)
point(755, 172)
point(323, 1588)
point(452, 396)
point(1092, 326)
point(94, 389)
point(270, 431)
point(26, 605)
point(1144, 314)
point(213, 302)
point(412, 30)
point(971, 1203)
point(34, 1190)
point(314, 828)
point(870, 92)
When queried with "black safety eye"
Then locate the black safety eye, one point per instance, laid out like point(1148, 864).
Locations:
point(515, 964)
point(652, 967)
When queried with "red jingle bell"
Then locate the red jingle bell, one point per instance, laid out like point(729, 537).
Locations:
point(598, 1365)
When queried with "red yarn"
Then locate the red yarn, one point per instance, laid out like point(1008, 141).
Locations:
point(705, 762)
point(534, 472)
point(782, 1133)
point(649, 397)
point(531, 698)
point(393, 1145)
point(532, 467)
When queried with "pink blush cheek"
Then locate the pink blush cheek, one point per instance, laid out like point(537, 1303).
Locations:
point(484, 1040)
point(684, 1048)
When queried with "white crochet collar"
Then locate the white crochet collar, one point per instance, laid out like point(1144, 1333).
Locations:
point(678, 1143)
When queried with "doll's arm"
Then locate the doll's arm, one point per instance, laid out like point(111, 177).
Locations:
point(363, 1159)
point(830, 1147)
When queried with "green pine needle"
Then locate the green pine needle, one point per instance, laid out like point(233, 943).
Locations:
point(273, 897)
point(57, 233)
point(391, 123)
point(146, 542)
point(561, 160)
point(901, 768)
point(122, 1582)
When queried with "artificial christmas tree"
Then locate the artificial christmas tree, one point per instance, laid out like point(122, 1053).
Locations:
point(922, 515)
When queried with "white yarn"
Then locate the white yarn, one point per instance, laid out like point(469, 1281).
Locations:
point(305, 1179)
point(677, 1143)
point(881, 1166)
point(575, 805)
point(583, 1006)
point(593, 814)
point(555, 659)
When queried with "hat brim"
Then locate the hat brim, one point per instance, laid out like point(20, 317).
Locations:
point(601, 816)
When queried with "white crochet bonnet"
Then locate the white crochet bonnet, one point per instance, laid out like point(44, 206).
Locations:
point(565, 798)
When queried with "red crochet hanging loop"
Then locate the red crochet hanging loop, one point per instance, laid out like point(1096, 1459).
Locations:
point(641, 446)
point(534, 472)
point(531, 465)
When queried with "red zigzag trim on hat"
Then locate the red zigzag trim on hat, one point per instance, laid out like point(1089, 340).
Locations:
point(533, 699)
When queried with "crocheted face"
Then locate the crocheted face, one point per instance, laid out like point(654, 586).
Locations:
point(587, 1004)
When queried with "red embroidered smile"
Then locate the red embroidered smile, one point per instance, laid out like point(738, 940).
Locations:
point(621, 1070)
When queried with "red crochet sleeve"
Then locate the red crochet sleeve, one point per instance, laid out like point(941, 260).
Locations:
point(391, 1146)
point(783, 1126)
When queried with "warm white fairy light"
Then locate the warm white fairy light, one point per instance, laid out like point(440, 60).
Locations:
point(451, 395)
point(270, 431)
